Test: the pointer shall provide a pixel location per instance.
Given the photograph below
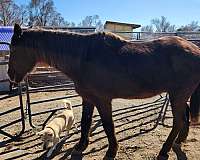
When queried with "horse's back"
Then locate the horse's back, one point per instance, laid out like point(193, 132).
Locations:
point(165, 53)
point(161, 64)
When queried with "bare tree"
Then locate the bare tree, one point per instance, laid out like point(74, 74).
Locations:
point(43, 13)
point(193, 26)
point(72, 24)
point(40, 13)
point(171, 28)
point(92, 21)
point(5, 8)
point(69, 24)
point(11, 13)
point(23, 15)
point(57, 19)
point(148, 28)
point(162, 25)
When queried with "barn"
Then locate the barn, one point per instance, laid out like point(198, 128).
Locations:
point(122, 29)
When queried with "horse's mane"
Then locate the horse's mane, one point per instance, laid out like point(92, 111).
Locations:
point(70, 40)
point(40, 31)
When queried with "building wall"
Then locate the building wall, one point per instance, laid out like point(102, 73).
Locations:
point(120, 28)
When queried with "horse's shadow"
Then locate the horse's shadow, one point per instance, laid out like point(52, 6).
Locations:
point(67, 156)
point(126, 119)
point(143, 111)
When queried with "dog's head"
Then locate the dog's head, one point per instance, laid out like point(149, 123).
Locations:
point(47, 136)
point(67, 104)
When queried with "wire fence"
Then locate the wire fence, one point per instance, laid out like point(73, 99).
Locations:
point(145, 36)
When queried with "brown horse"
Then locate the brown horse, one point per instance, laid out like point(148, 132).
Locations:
point(103, 66)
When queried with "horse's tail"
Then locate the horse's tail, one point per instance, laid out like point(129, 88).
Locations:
point(195, 105)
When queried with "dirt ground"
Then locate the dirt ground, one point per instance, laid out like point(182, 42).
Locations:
point(135, 125)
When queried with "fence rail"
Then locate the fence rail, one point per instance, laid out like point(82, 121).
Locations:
point(20, 120)
point(153, 35)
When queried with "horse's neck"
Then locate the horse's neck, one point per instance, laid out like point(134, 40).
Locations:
point(64, 55)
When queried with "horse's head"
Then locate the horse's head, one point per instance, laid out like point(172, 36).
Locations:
point(21, 59)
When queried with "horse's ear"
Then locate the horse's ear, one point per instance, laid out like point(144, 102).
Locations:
point(17, 30)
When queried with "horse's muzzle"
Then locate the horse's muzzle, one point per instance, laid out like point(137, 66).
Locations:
point(14, 77)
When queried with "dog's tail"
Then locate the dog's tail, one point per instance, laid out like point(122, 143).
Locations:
point(195, 106)
point(67, 104)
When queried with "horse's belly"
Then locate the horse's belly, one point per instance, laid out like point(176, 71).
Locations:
point(144, 95)
point(138, 94)
point(120, 86)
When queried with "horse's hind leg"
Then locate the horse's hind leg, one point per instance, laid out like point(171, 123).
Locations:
point(178, 102)
point(195, 106)
point(182, 136)
point(86, 122)
point(105, 111)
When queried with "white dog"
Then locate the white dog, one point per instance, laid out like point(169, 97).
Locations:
point(52, 131)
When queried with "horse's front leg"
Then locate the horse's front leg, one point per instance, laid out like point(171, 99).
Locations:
point(105, 110)
point(86, 122)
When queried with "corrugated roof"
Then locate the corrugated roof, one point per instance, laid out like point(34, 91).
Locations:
point(5, 36)
point(125, 24)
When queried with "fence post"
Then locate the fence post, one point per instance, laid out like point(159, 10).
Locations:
point(28, 105)
point(21, 109)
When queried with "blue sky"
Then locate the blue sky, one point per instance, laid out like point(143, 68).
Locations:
point(178, 12)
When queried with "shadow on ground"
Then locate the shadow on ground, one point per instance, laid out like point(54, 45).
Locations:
point(140, 119)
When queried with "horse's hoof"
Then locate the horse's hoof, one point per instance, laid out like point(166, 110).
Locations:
point(81, 146)
point(160, 157)
point(179, 153)
point(111, 153)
